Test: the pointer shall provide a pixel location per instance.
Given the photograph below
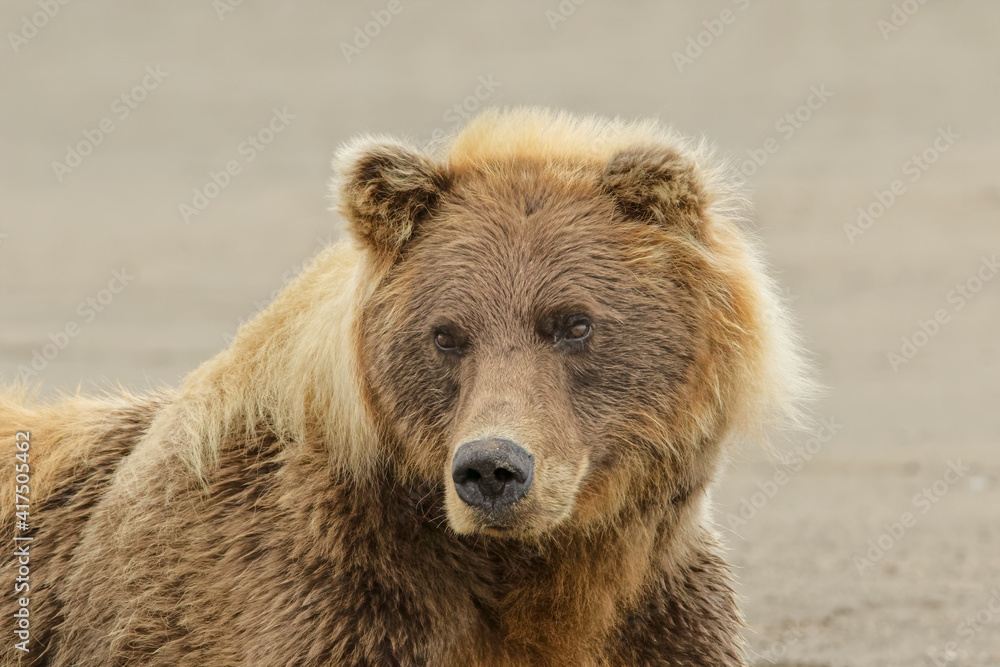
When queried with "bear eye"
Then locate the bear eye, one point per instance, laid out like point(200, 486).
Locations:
point(574, 335)
point(446, 342)
point(579, 330)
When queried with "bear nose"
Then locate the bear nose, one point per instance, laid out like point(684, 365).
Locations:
point(492, 473)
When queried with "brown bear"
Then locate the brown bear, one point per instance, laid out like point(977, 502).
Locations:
point(480, 430)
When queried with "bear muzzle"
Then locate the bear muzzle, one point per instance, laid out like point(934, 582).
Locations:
point(492, 474)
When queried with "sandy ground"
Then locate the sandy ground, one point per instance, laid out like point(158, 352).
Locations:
point(865, 550)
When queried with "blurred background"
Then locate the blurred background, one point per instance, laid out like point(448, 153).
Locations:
point(164, 167)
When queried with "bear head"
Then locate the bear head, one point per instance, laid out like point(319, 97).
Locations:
point(566, 321)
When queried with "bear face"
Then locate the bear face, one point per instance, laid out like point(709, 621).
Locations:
point(550, 341)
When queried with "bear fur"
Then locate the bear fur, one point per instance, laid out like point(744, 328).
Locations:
point(292, 503)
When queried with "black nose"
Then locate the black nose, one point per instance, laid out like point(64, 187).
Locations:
point(493, 473)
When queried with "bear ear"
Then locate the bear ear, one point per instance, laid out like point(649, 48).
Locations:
point(657, 184)
point(384, 189)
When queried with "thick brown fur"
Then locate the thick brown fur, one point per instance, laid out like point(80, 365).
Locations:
point(291, 503)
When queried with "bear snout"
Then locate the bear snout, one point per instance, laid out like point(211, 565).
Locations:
point(492, 474)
